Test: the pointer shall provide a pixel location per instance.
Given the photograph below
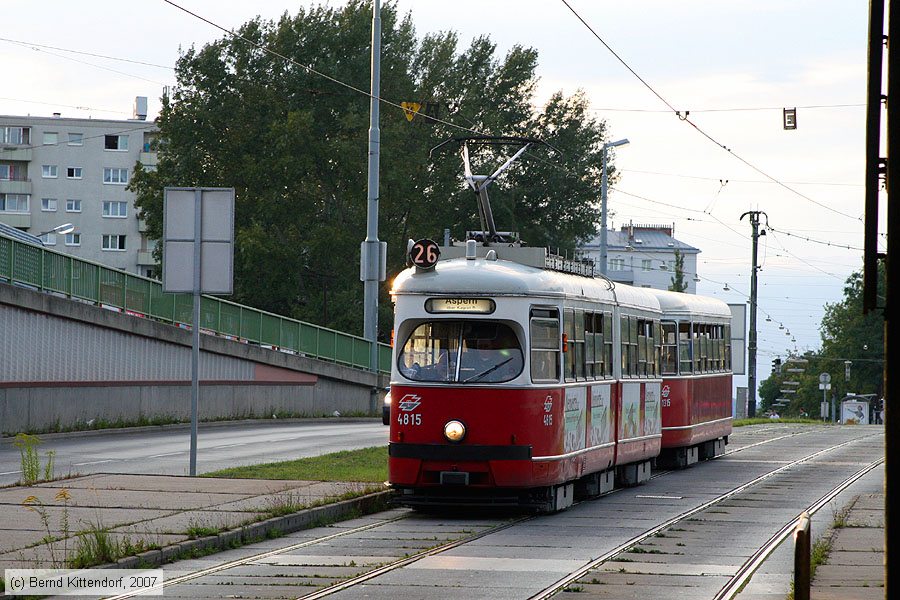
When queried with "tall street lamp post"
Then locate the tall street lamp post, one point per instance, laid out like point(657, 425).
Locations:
point(604, 184)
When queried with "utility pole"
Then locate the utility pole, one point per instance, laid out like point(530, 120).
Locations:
point(371, 255)
point(751, 346)
point(604, 185)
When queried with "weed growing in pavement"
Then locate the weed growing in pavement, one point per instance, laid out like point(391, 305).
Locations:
point(573, 588)
point(196, 529)
point(96, 545)
point(34, 504)
point(31, 460)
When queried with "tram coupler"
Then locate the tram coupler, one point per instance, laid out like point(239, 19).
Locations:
point(634, 474)
point(678, 458)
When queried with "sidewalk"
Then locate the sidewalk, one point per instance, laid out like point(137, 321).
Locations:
point(854, 569)
point(159, 517)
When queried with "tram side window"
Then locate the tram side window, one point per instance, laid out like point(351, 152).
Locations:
point(629, 346)
point(655, 347)
point(669, 349)
point(579, 344)
point(642, 367)
point(719, 346)
point(592, 324)
point(728, 347)
point(544, 331)
point(607, 345)
point(569, 350)
point(685, 348)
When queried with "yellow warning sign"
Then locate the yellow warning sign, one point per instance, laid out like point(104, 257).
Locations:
point(410, 108)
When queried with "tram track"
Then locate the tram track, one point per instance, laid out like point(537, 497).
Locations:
point(751, 564)
point(405, 561)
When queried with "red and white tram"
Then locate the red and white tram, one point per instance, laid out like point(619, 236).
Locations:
point(512, 384)
point(696, 370)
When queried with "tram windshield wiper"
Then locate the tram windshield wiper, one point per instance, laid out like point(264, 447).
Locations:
point(487, 371)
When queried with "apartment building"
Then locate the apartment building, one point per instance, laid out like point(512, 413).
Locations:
point(56, 170)
point(644, 256)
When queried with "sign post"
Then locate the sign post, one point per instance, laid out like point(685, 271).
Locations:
point(198, 257)
point(825, 385)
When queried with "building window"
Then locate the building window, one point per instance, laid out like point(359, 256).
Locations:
point(48, 204)
point(646, 265)
point(115, 142)
point(73, 172)
point(73, 205)
point(73, 239)
point(113, 242)
point(617, 264)
point(15, 135)
point(12, 173)
point(115, 176)
point(49, 171)
point(76, 139)
point(115, 209)
point(48, 239)
point(14, 203)
point(51, 138)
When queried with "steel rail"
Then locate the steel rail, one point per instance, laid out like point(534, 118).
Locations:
point(563, 582)
point(248, 559)
point(746, 570)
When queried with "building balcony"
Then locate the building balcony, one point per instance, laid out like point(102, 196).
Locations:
point(19, 220)
point(145, 259)
point(15, 153)
point(149, 159)
point(15, 186)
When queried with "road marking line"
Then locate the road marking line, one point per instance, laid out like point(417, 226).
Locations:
point(166, 454)
point(10, 473)
point(95, 462)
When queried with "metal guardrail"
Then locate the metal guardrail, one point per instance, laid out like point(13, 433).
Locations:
point(50, 271)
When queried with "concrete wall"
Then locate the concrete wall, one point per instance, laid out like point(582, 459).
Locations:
point(66, 362)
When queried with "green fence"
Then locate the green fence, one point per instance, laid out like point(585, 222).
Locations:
point(49, 271)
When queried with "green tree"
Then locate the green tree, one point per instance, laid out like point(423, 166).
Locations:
point(294, 146)
point(678, 282)
point(846, 334)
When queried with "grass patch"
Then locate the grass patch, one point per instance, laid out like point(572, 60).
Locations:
point(764, 420)
point(365, 465)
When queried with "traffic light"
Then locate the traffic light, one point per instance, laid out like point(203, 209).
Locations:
point(776, 366)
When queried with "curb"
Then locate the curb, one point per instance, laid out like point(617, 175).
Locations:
point(305, 519)
point(4, 438)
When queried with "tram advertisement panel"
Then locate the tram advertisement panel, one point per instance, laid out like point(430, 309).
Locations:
point(630, 423)
point(652, 417)
point(575, 419)
point(601, 415)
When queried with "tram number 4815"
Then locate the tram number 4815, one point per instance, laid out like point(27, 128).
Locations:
point(409, 419)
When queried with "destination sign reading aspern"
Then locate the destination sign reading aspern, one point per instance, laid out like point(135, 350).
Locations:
point(460, 305)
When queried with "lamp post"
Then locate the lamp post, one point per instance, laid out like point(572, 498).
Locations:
point(604, 183)
point(64, 229)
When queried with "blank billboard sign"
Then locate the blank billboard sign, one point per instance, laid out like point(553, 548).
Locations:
point(215, 209)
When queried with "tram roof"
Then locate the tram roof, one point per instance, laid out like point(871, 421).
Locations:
point(680, 304)
point(500, 277)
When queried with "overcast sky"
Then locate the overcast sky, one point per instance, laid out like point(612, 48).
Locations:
point(701, 56)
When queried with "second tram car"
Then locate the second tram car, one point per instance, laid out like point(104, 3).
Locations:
point(695, 362)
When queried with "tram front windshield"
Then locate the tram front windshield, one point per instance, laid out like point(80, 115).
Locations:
point(461, 352)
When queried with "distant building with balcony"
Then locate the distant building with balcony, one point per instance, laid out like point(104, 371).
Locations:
point(644, 256)
point(56, 170)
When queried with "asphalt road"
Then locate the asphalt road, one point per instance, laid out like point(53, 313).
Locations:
point(166, 450)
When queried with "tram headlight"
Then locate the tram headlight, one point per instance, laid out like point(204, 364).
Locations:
point(454, 431)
